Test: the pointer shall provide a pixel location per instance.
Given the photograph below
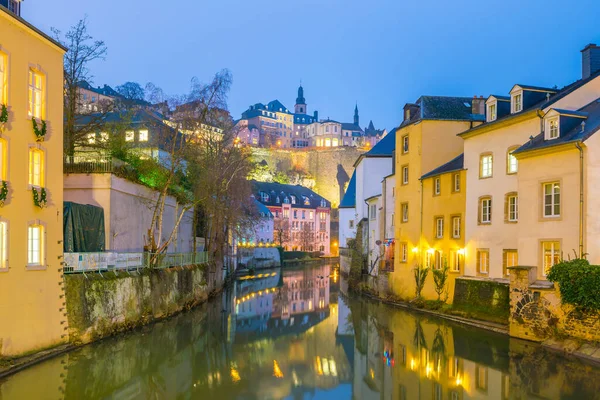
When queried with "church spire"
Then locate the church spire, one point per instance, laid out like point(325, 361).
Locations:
point(356, 120)
point(300, 107)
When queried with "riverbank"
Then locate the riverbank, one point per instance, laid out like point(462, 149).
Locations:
point(100, 307)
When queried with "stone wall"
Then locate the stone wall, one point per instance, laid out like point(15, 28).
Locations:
point(258, 257)
point(485, 294)
point(101, 305)
point(331, 168)
point(537, 313)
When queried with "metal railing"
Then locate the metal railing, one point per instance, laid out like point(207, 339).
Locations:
point(116, 261)
point(81, 164)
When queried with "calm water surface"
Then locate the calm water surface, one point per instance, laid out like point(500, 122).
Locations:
point(293, 335)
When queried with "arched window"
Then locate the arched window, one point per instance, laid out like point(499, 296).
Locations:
point(293, 199)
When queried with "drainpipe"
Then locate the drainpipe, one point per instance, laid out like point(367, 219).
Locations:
point(581, 204)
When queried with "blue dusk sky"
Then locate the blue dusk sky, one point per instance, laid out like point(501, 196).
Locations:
point(379, 53)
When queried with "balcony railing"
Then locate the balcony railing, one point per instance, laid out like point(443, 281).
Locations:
point(82, 164)
point(114, 261)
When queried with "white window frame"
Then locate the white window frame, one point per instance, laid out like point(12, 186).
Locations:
point(404, 208)
point(35, 94)
point(517, 102)
point(143, 135)
point(4, 244)
point(485, 264)
point(404, 252)
point(405, 144)
point(513, 207)
point(486, 210)
point(373, 211)
point(553, 128)
point(3, 159)
point(40, 261)
point(129, 136)
point(456, 182)
point(405, 175)
point(437, 186)
point(3, 78)
point(512, 164)
point(455, 267)
point(555, 254)
point(456, 222)
point(553, 204)
point(41, 178)
point(492, 111)
point(486, 166)
point(439, 227)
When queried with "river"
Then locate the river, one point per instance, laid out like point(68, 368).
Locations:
point(292, 334)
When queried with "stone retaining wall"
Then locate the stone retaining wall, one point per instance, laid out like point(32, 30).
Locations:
point(482, 293)
point(101, 305)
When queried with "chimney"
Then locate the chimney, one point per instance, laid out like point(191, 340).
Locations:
point(316, 116)
point(478, 106)
point(590, 60)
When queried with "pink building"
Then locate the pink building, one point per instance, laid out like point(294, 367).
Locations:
point(301, 217)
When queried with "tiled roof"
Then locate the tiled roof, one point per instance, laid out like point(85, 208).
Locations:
point(575, 134)
point(350, 126)
point(349, 199)
point(385, 147)
point(443, 108)
point(456, 164)
point(262, 209)
point(274, 190)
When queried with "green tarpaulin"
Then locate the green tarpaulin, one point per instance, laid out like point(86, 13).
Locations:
point(83, 228)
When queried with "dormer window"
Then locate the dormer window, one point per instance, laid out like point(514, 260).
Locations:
point(517, 102)
point(492, 112)
point(406, 114)
point(293, 199)
point(264, 196)
point(553, 128)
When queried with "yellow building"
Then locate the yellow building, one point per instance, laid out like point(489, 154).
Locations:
point(444, 196)
point(426, 139)
point(31, 87)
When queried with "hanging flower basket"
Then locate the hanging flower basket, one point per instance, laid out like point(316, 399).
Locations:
point(3, 193)
point(40, 132)
point(39, 198)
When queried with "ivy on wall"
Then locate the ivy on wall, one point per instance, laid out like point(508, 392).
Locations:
point(579, 283)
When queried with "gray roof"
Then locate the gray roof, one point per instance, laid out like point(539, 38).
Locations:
point(444, 108)
point(350, 126)
point(456, 164)
point(349, 199)
point(274, 190)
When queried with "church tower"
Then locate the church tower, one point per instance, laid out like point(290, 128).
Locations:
point(356, 115)
point(300, 107)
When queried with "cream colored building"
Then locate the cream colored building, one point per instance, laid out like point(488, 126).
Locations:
point(505, 224)
point(32, 305)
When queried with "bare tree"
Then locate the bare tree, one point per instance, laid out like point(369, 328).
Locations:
point(131, 91)
point(306, 236)
point(281, 229)
point(83, 49)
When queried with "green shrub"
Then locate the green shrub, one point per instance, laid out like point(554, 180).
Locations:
point(579, 283)
point(420, 276)
point(440, 278)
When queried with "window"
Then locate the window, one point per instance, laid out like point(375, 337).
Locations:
point(303, 214)
point(293, 199)
point(91, 138)
point(439, 227)
point(437, 186)
point(512, 207)
point(3, 245)
point(351, 224)
point(455, 260)
point(295, 214)
point(393, 191)
point(404, 208)
point(481, 378)
point(483, 261)
point(393, 217)
point(143, 135)
point(510, 258)
point(34, 244)
point(552, 199)
point(14, 6)
point(553, 128)
point(104, 137)
point(35, 94)
point(373, 213)
point(550, 255)
point(36, 167)
point(456, 182)
point(311, 215)
point(405, 175)
point(264, 196)
point(517, 102)
point(3, 78)
point(403, 252)
point(512, 164)
point(485, 166)
point(492, 114)
point(456, 227)
point(129, 136)
point(3, 159)
point(485, 210)
point(404, 144)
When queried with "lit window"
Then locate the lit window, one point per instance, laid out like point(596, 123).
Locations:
point(552, 199)
point(404, 144)
point(34, 244)
point(91, 138)
point(492, 112)
point(3, 78)
point(405, 175)
point(439, 227)
point(551, 255)
point(510, 258)
point(517, 102)
point(485, 210)
point(36, 167)
point(455, 258)
point(513, 208)
point(483, 261)
point(311, 216)
point(404, 208)
point(512, 165)
point(3, 159)
point(403, 252)
point(3, 245)
point(481, 375)
point(129, 136)
point(104, 137)
point(485, 166)
point(456, 182)
point(143, 135)
point(456, 227)
point(293, 199)
point(35, 94)
point(437, 186)
point(553, 131)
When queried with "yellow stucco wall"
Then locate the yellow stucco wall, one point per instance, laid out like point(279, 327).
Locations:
point(431, 144)
point(31, 308)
